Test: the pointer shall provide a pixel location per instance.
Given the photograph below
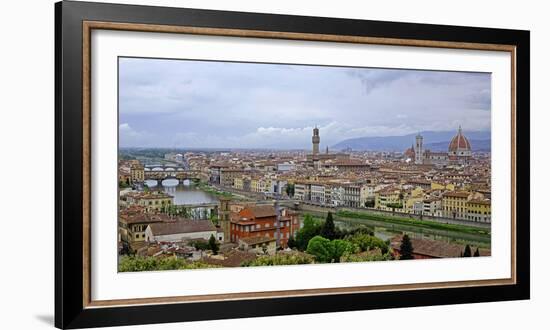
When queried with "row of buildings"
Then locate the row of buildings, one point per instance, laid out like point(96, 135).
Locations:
point(454, 184)
point(246, 225)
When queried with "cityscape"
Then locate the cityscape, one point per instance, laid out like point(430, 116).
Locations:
point(206, 189)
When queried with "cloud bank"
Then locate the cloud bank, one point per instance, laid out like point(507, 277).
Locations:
point(183, 103)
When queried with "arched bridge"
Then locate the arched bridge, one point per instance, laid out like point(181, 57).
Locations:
point(170, 173)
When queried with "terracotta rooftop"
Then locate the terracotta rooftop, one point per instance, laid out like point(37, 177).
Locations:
point(259, 211)
point(233, 258)
point(133, 218)
point(182, 226)
point(459, 142)
point(437, 248)
point(461, 194)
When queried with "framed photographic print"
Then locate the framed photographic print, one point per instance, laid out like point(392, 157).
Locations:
point(214, 164)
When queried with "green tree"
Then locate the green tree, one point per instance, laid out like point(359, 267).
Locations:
point(326, 251)
point(321, 248)
point(310, 229)
point(291, 242)
point(328, 230)
point(368, 242)
point(406, 248)
point(214, 218)
point(280, 259)
point(200, 245)
point(341, 248)
point(476, 254)
point(290, 190)
point(139, 264)
point(467, 251)
point(373, 255)
point(369, 203)
point(213, 244)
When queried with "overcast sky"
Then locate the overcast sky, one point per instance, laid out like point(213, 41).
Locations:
point(182, 103)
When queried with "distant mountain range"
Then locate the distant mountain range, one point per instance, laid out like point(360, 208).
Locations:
point(435, 141)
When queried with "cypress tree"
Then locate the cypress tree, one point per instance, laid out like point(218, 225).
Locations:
point(467, 251)
point(213, 245)
point(329, 231)
point(291, 242)
point(476, 254)
point(406, 248)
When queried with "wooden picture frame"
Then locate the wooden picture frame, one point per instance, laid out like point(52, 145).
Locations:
point(74, 307)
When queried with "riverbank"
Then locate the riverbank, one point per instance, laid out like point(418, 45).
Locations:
point(426, 224)
point(218, 192)
point(209, 189)
point(385, 228)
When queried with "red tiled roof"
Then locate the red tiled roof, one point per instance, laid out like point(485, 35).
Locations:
point(182, 226)
point(437, 248)
point(459, 142)
point(259, 211)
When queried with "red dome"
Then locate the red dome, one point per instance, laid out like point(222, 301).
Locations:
point(459, 142)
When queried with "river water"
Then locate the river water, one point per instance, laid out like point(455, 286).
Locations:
point(184, 194)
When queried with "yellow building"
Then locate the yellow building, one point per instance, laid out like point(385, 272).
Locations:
point(412, 197)
point(478, 210)
point(132, 224)
point(155, 200)
point(386, 197)
point(228, 175)
point(258, 185)
point(137, 173)
point(238, 183)
point(454, 204)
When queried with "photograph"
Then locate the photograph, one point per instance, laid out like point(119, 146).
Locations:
point(245, 164)
point(216, 164)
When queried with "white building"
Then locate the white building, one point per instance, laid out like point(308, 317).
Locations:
point(286, 167)
point(318, 193)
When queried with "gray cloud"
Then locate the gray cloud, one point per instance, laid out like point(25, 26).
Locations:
point(181, 103)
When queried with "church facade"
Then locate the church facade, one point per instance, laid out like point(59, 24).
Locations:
point(459, 152)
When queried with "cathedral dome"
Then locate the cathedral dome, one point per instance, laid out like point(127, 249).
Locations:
point(459, 143)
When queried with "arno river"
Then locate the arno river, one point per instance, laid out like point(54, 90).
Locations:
point(184, 194)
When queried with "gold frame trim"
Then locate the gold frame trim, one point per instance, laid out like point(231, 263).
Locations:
point(87, 28)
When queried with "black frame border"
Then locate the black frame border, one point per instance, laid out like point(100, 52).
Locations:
point(69, 307)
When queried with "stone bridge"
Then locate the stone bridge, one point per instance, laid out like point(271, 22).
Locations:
point(174, 173)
